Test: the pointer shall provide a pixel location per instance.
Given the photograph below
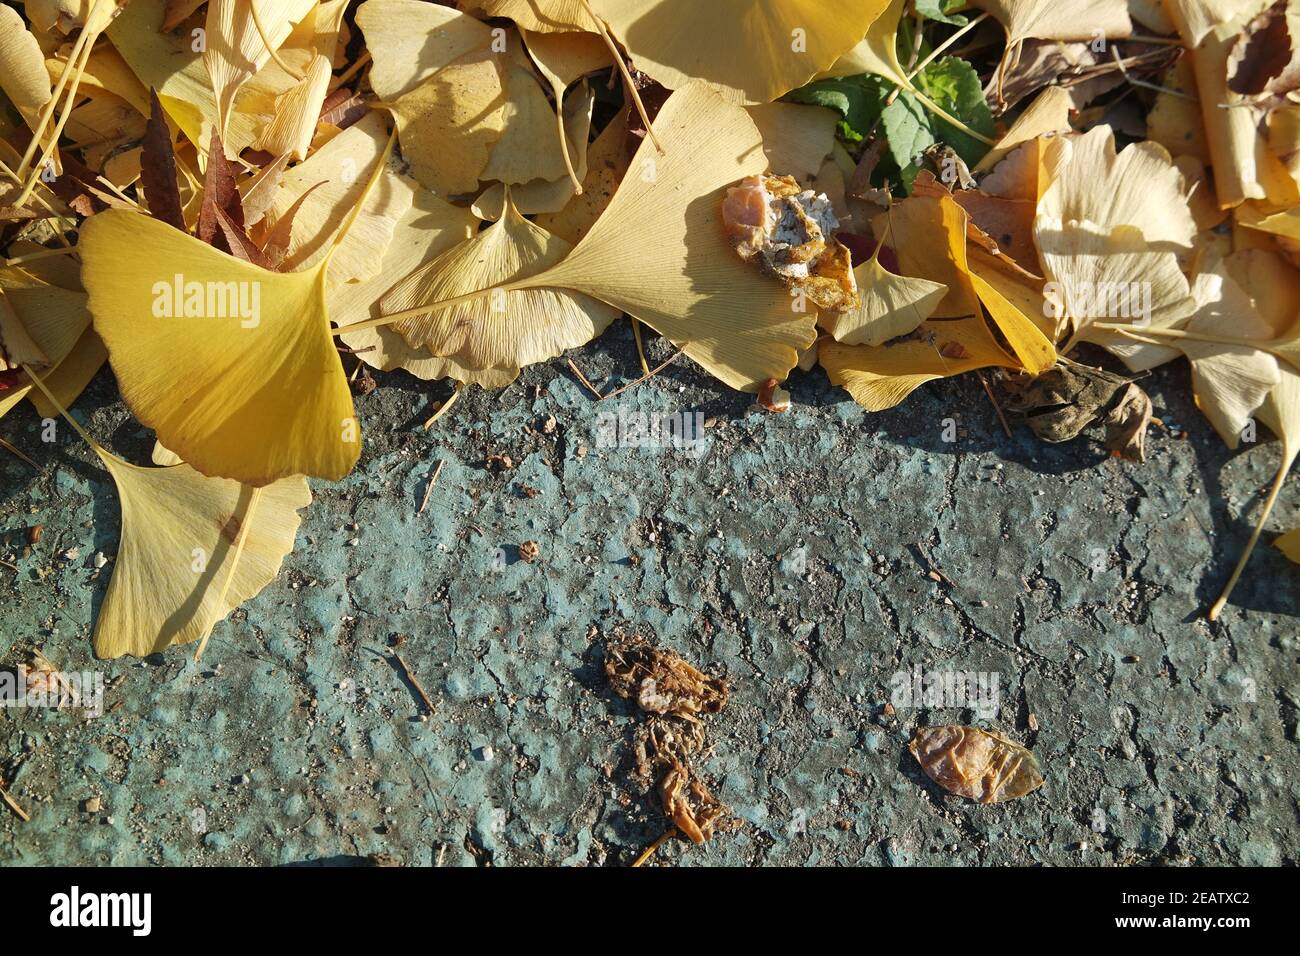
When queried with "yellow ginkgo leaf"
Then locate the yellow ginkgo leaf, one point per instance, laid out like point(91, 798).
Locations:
point(1289, 544)
point(563, 58)
point(932, 232)
point(1196, 18)
point(531, 144)
point(1244, 166)
point(242, 37)
point(1281, 413)
point(17, 347)
point(752, 50)
point(23, 77)
point(428, 229)
point(167, 63)
point(542, 196)
point(541, 16)
point(1053, 20)
point(502, 332)
point(411, 40)
point(281, 118)
point(890, 306)
point(659, 253)
point(1048, 113)
point(234, 367)
point(1110, 229)
point(337, 171)
point(1230, 381)
point(193, 549)
point(607, 162)
point(39, 324)
point(796, 138)
point(69, 378)
point(449, 124)
point(880, 377)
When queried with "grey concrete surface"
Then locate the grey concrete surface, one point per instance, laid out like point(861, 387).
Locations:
point(1078, 580)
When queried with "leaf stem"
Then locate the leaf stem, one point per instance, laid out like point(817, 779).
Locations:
point(266, 42)
point(1288, 457)
point(946, 44)
point(603, 29)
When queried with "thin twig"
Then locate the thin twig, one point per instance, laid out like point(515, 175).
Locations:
point(583, 379)
point(640, 349)
point(993, 398)
point(18, 453)
point(668, 361)
point(410, 676)
point(12, 567)
point(428, 489)
point(1114, 53)
point(650, 850)
point(442, 408)
point(13, 804)
point(350, 72)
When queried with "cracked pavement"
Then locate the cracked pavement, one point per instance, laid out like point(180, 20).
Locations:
point(810, 557)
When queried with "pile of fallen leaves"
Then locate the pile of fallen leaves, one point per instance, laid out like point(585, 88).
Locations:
point(233, 201)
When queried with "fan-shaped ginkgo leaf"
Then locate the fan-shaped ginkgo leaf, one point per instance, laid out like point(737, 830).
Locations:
point(752, 50)
point(193, 549)
point(449, 124)
point(1053, 20)
point(234, 367)
point(543, 196)
point(796, 138)
point(531, 143)
point(1230, 381)
point(880, 377)
point(659, 253)
point(428, 229)
point(1109, 231)
point(543, 16)
point(504, 331)
point(233, 46)
point(334, 183)
point(410, 40)
point(607, 162)
point(167, 63)
point(23, 76)
point(931, 234)
point(563, 58)
point(890, 306)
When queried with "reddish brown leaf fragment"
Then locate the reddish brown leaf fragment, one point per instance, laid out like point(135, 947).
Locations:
point(232, 240)
point(219, 193)
point(342, 108)
point(158, 168)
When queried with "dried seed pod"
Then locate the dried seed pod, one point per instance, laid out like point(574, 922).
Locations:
point(976, 764)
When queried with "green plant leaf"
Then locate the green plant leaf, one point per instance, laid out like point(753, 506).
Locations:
point(858, 99)
point(938, 10)
point(955, 86)
point(907, 126)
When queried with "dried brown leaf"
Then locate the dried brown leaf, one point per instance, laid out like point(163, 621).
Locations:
point(158, 168)
point(219, 194)
point(977, 764)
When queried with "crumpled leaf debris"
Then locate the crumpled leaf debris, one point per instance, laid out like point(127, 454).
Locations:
point(677, 697)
